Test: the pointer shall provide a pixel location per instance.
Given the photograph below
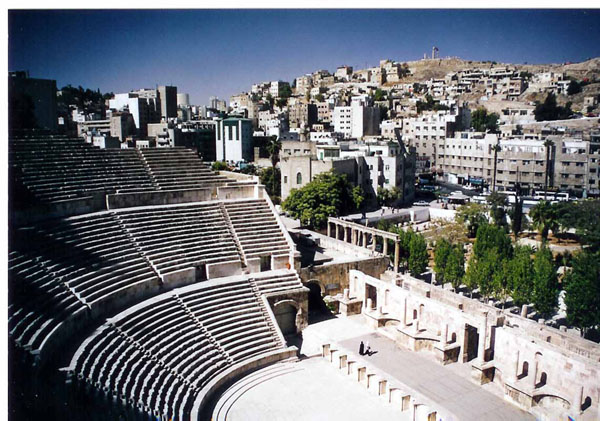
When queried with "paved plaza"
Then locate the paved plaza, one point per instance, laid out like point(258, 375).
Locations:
point(311, 389)
point(448, 386)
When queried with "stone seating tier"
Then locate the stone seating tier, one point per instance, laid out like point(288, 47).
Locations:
point(159, 354)
point(60, 169)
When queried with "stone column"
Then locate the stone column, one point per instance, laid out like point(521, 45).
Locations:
point(404, 311)
point(396, 256)
point(328, 229)
point(385, 245)
point(481, 344)
point(337, 232)
point(373, 242)
point(344, 234)
point(524, 310)
point(577, 400)
point(533, 374)
point(517, 366)
point(445, 335)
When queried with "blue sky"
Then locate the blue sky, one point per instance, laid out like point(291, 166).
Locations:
point(222, 52)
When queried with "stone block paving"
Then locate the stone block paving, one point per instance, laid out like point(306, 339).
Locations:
point(448, 386)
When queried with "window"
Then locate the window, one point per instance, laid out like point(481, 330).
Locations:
point(285, 179)
point(299, 178)
point(387, 167)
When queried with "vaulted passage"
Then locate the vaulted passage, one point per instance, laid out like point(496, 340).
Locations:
point(285, 314)
point(317, 310)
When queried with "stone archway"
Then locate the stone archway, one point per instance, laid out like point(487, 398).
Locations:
point(287, 313)
point(317, 308)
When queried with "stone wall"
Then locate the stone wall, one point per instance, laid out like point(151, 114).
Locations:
point(551, 373)
point(127, 200)
point(333, 277)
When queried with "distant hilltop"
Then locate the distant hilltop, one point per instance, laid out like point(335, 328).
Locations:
point(425, 69)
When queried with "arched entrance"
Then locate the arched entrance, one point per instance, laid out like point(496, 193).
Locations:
point(285, 314)
point(317, 309)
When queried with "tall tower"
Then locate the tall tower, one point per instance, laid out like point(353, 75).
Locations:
point(434, 53)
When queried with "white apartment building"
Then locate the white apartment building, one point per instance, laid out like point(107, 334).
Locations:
point(234, 140)
point(303, 84)
point(388, 128)
point(424, 132)
point(276, 87)
point(217, 104)
point(344, 73)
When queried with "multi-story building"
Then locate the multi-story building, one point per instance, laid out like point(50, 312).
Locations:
point(276, 87)
point(468, 158)
point(40, 94)
point(424, 132)
point(144, 105)
point(302, 114)
point(168, 101)
point(356, 120)
point(323, 112)
point(343, 73)
point(217, 104)
point(304, 84)
point(389, 127)
point(239, 103)
point(183, 100)
point(234, 140)
point(371, 166)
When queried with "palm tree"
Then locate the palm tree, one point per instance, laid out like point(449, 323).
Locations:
point(496, 148)
point(274, 147)
point(548, 145)
point(544, 218)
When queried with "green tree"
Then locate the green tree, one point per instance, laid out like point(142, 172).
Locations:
point(543, 218)
point(379, 95)
point(455, 266)
point(549, 110)
point(271, 178)
point(582, 291)
point(574, 87)
point(472, 215)
point(582, 215)
point(545, 282)
point(270, 101)
point(480, 272)
point(482, 121)
point(418, 258)
point(500, 284)
point(440, 258)
point(519, 274)
point(273, 148)
point(319, 98)
point(516, 217)
point(285, 92)
point(388, 196)
point(498, 202)
point(219, 166)
point(358, 197)
point(328, 194)
point(281, 102)
point(491, 237)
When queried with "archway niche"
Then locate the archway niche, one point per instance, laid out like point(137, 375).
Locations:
point(524, 370)
point(543, 379)
point(286, 314)
point(317, 309)
point(587, 402)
